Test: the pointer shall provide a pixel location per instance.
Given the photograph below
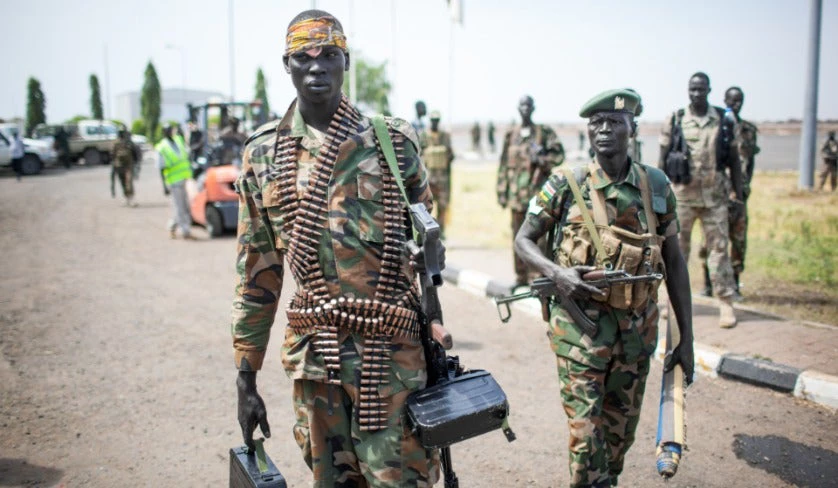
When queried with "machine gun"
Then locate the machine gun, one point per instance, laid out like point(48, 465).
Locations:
point(435, 338)
point(544, 289)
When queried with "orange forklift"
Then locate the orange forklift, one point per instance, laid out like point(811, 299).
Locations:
point(216, 161)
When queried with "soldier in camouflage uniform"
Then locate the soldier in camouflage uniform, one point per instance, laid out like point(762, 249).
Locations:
point(707, 196)
point(530, 153)
point(437, 156)
point(745, 134)
point(317, 193)
point(123, 159)
point(830, 161)
point(635, 228)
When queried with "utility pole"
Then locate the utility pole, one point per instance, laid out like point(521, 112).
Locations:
point(393, 58)
point(809, 131)
point(232, 49)
point(107, 85)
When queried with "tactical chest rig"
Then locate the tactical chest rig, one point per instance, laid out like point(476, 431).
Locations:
point(312, 310)
point(612, 247)
point(435, 156)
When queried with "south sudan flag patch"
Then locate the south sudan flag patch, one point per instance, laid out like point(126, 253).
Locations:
point(548, 191)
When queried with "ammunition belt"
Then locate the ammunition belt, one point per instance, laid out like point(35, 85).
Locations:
point(377, 322)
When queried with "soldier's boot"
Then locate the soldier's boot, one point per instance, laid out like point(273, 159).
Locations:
point(737, 296)
point(172, 234)
point(708, 284)
point(727, 317)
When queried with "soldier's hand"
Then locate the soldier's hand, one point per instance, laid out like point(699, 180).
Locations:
point(683, 355)
point(251, 408)
point(416, 256)
point(570, 283)
point(502, 201)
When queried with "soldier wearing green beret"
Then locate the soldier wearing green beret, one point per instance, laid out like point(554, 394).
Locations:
point(614, 213)
point(437, 156)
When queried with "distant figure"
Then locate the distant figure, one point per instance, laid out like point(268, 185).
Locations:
point(634, 142)
point(698, 155)
point(196, 140)
point(123, 159)
point(233, 142)
point(582, 140)
point(490, 135)
point(419, 123)
point(175, 170)
point(61, 144)
point(529, 155)
point(437, 156)
point(18, 152)
point(745, 134)
point(830, 160)
point(475, 137)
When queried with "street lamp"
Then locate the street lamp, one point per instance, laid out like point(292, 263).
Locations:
point(179, 49)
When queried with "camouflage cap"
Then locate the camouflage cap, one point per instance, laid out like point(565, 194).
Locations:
point(619, 100)
point(435, 115)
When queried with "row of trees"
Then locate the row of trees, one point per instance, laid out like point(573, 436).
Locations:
point(373, 91)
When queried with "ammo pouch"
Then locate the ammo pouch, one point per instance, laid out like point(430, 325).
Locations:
point(636, 254)
point(457, 409)
point(677, 167)
point(435, 157)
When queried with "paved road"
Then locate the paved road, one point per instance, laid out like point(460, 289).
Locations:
point(116, 366)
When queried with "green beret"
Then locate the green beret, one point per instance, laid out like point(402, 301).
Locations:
point(435, 114)
point(620, 100)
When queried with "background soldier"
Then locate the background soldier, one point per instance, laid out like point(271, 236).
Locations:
point(635, 143)
point(475, 137)
point(437, 156)
point(490, 136)
point(830, 160)
point(707, 194)
point(62, 146)
point(419, 123)
point(123, 159)
point(603, 377)
point(316, 191)
point(530, 152)
point(746, 143)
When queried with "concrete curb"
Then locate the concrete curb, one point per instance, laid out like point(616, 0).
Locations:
point(709, 361)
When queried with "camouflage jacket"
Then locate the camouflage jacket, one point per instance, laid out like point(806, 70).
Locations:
point(437, 154)
point(708, 188)
point(349, 251)
point(123, 154)
point(519, 175)
point(830, 149)
point(746, 142)
point(555, 206)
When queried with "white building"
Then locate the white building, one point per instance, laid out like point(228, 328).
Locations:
point(172, 106)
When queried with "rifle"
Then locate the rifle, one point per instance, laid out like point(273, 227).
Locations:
point(544, 289)
point(434, 336)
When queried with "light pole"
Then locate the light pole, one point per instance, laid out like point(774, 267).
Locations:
point(809, 132)
point(179, 49)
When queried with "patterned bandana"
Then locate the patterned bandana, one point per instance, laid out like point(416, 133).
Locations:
point(313, 33)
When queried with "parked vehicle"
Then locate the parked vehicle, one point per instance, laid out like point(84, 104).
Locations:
point(37, 154)
point(92, 140)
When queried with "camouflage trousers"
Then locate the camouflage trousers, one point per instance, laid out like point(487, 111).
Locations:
point(715, 226)
point(830, 170)
point(738, 234)
point(441, 191)
point(126, 180)
point(602, 384)
point(328, 431)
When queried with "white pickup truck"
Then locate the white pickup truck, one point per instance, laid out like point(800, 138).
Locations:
point(92, 140)
point(37, 154)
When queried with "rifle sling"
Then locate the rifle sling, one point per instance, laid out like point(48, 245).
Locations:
point(646, 195)
point(383, 136)
point(602, 257)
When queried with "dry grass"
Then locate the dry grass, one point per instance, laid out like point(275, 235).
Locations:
point(792, 260)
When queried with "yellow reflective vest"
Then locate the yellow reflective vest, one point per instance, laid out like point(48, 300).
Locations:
point(178, 167)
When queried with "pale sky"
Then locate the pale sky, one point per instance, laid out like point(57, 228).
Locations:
point(560, 52)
